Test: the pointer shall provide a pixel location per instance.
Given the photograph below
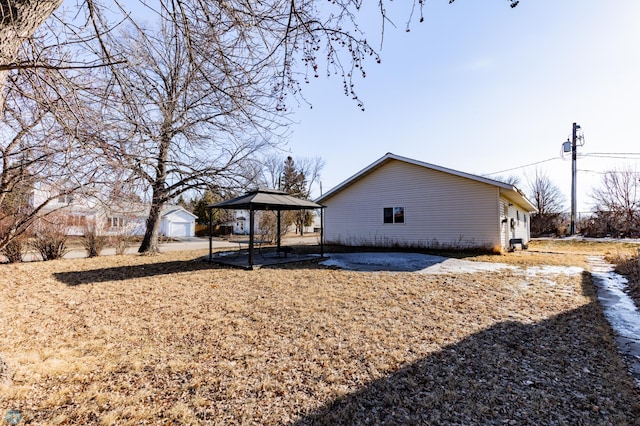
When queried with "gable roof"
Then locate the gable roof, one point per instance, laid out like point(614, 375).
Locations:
point(266, 199)
point(509, 191)
point(171, 209)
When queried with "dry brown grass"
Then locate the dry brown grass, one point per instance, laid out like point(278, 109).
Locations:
point(172, 340)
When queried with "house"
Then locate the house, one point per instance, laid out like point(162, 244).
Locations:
point(125, 217)
point(241, 223)
point(398, 201)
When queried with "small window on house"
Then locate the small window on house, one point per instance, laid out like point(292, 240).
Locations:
point(518, 216)
point(65, 199)
point(393, 215)
point(116, 222)
point(388, 215)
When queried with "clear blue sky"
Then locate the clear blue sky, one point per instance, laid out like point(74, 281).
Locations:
point(481, 87)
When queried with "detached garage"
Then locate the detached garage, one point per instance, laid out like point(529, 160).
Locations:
point(401, 202)
point(177, 222)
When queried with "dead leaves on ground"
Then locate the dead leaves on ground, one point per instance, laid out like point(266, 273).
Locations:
point(154, 342)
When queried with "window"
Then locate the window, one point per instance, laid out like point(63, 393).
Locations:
point(65, 199)
point(75, 220)
point(393, 215)
point(116, 222)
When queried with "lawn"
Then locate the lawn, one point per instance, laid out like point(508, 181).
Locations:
point(170, 339)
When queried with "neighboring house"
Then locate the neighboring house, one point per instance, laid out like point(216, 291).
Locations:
point(177, 222)
point(78, 212)
point(241, 223)
point(398, 201)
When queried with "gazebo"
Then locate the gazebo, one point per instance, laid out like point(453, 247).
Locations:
point(264, 199)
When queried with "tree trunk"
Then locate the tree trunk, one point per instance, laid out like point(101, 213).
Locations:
point(150, 240)
point(159, 196)
point(18, 21)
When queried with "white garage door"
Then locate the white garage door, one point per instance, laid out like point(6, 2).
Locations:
point(179, 229)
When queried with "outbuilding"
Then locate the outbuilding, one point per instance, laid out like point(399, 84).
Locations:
point(177, 222)
point(402, 202)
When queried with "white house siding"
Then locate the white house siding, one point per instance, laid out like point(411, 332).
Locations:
point(178, 223)
point(441, 210)
point(520, 218)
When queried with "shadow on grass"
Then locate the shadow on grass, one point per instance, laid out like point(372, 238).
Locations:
point(563, 370)
point(123, 273)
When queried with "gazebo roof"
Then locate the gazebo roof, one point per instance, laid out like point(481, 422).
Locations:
point(266, 199)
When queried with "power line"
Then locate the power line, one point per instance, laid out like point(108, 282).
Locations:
point(613, 156)
point(613, 153)
point(522, 167)
point(609, 172)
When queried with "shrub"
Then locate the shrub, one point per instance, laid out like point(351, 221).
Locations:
point(14, 250)
point(93, 241)
point(120, 242)
point(49, 238)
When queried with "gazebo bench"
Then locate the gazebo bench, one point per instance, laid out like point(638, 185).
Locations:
point(284, 249)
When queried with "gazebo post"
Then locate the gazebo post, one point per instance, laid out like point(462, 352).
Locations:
point(210, 233)
point(321, 231)
point(251, 221)
point(278, 231)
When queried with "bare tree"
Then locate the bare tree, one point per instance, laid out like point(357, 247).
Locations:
point(548, 199)
point(510, 179)
point(291, 33)
point(546, 196)
point(618, 199)
point(184, 88)
point(19, 20)
point(273, 169)
point(184, 118)
point(46, 146)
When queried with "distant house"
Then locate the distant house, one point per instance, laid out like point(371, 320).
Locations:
point(241, 223)
point(78, 212)
point(398, 201)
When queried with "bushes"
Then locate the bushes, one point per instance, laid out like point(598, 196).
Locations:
point(545, 224)
point(14, 250)
point(93, 241)
point(49, 238)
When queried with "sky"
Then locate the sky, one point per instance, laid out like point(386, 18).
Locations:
point(481, 87)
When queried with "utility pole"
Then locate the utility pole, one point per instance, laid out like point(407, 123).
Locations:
point(574, 170)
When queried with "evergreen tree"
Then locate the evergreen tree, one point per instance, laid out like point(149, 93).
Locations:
point(200, 209)
point(294, 183)
point(182, 203)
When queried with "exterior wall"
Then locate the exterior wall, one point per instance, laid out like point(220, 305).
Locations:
point(241, 222)
point(515, 222)
point(441, 210)
point(179, 223)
